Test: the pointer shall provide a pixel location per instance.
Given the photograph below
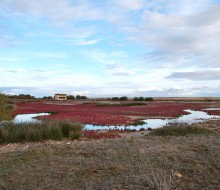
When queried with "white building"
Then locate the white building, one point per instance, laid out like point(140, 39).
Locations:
point(60, 96)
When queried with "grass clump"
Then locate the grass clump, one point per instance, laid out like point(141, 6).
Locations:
point(181, 130)
point(71, 130)
point(30, 132)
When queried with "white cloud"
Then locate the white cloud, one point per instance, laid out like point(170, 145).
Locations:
point(58, 55)
point(129, 5)
point(197, 75)
point(181, 40)
point(84, 42)
point(55, 10)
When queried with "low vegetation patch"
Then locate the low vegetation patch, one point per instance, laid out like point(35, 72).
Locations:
point(122, 104)
point(139, 122)
point(30, 132)
point(181, 130)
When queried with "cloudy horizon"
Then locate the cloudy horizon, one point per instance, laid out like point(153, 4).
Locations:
point(110, 48)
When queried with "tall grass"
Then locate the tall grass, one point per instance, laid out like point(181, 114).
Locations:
point(181, 130)
point(30, 132)
point(5, 109)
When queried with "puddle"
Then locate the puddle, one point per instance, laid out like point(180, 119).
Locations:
point(28, 118)
point(192, 117)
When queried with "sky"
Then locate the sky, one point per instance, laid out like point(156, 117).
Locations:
point(106, 48)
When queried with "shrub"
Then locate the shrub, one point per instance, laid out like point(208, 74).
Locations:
point(149, 99)
point(181, 130)
point(123, 98)
point(71, 97)
point(81, 97)
point(142, 99)
point(136, 99)
point(115, 98)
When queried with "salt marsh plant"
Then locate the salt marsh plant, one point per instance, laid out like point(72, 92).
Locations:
point(181, 130)
point(29, 132)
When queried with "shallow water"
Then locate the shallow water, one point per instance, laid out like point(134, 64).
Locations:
point(28, 117)
point(192, 117)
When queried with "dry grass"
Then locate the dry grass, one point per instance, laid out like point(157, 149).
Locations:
point(5, 108)
point(181, 130)
point(149, 162)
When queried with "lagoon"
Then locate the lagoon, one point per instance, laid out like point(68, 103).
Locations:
point(192, 117)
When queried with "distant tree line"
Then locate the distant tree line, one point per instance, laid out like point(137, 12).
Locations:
point(47, 98)
point(69, 97)
point(143, 99)
point(21, 96)
point(135, 98)
point(120, 98)
point(78, 97)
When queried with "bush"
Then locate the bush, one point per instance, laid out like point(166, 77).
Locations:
point(115, 98)
point(138, 98)
point(123, 98)
point(81, 97)
point(149, 99)
point(71, 97)
point(181, 130)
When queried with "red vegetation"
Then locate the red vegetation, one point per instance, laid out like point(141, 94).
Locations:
point(106, 115)
point(212, 112)
point(101, 134)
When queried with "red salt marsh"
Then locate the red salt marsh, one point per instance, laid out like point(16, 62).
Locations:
point(106, 115)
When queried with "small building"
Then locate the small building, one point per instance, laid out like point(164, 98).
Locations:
point(60, 96)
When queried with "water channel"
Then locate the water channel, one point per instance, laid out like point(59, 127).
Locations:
point(192, 117)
